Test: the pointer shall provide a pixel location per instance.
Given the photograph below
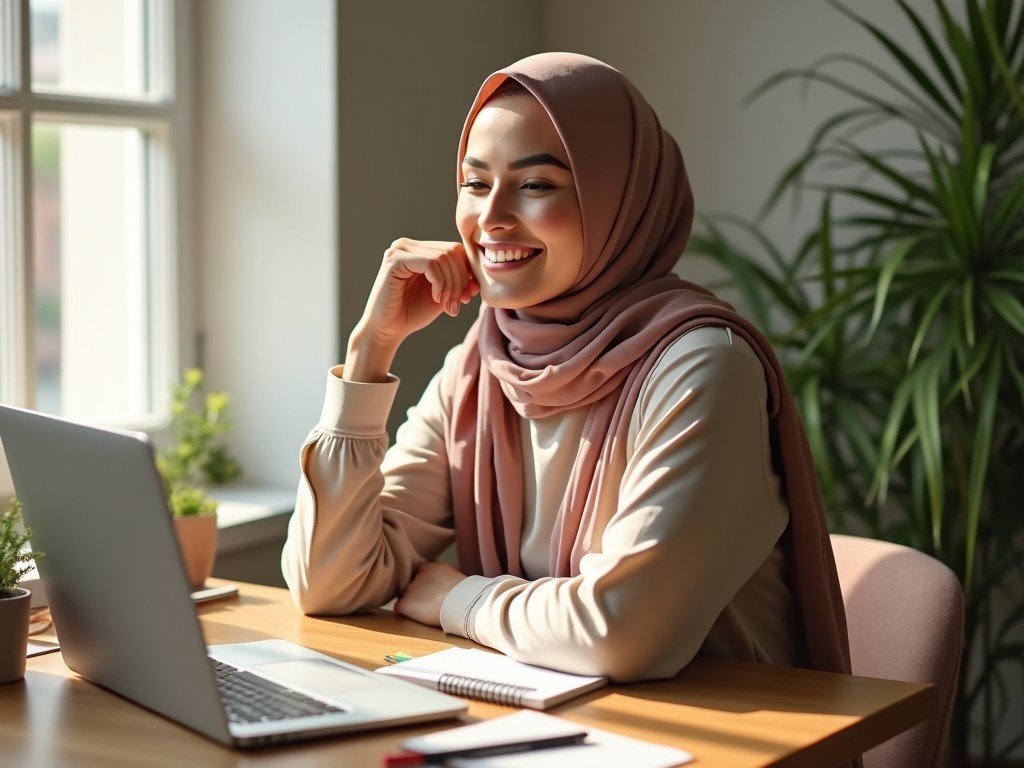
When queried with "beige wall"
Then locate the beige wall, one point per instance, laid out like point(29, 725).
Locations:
point(265, 210)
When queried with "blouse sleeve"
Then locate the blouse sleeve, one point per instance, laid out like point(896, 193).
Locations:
point(365, 517)
point(698, 512)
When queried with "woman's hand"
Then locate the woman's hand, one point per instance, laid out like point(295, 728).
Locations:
point(424, 595)
point(417, 281)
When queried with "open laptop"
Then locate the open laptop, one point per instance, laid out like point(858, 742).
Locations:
point(123, 612)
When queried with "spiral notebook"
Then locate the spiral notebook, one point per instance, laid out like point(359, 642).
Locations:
point(494, 677)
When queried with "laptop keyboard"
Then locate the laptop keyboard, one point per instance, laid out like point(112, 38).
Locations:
point(249, 698)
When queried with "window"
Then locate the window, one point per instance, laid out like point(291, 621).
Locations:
point(92, 148)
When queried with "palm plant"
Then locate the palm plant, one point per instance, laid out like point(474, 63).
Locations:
point(900, 317)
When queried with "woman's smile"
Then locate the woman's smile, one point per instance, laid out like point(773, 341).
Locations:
point(501, 256)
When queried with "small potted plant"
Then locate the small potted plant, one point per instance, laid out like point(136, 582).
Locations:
point(194, 459)
point(16, 560)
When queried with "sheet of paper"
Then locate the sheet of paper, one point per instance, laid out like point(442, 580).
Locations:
point(39, 647)
point(601, 749)
point(524, 726)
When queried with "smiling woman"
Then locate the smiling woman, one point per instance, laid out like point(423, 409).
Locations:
point(518, 213)
point(612, 450)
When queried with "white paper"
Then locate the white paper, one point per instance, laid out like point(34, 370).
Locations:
point(601, 749)
point(524, 726)
point(39, 647)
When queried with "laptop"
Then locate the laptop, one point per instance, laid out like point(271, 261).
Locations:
point(123, 612)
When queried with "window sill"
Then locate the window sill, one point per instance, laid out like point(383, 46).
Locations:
point(250, 516)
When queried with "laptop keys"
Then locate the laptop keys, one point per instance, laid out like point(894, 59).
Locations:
point(249, 698)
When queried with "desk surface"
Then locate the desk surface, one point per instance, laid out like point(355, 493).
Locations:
point(728, 714)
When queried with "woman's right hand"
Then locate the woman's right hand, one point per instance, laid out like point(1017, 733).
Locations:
point(417, 281)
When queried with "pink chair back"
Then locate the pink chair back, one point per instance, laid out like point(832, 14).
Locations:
point(905, 612)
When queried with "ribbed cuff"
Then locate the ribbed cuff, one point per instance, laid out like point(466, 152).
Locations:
point(357, 408)
point(461, 602)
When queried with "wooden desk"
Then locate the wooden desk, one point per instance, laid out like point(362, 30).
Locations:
point(727, 714)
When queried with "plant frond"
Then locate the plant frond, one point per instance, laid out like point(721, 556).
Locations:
point(890, 265)
point(938, 58)
point(995, 50)
point(1005, 305)
point(981, 450)
point(911, 67)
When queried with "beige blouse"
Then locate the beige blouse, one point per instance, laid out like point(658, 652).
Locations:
point(690, 562)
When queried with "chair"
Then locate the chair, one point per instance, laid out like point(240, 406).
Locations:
point(905, 612)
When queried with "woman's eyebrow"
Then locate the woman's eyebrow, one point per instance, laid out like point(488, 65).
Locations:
point(542, 158)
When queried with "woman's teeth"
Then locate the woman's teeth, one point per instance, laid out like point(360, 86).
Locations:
point(499, 257)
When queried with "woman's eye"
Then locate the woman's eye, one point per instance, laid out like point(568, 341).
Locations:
point(537, 186)
point(474, 185)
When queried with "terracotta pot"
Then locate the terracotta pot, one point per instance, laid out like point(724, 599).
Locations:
point(197, 539)
point(14, 619)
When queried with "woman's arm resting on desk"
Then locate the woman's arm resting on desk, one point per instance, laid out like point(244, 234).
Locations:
point(355, 539)
point(695, 521)
point(353, 542)
point(425, 594)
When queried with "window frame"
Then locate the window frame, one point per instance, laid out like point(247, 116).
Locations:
point(169, 238)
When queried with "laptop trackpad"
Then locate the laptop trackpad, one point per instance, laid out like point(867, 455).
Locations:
point(317, 675)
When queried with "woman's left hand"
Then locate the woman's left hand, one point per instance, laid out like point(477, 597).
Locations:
point(421, 601)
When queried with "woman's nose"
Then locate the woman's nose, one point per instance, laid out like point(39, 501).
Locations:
point(496, 211)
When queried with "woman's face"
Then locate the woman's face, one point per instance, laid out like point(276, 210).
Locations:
point(518, 213)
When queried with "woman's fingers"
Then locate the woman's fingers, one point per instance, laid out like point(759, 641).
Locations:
point(455, 275)
point(418, 280)
point(444, 266)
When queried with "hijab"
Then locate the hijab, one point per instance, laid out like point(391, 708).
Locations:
point(595, 345)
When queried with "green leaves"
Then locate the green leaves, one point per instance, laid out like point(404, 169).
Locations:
point(187, 500)
point(15, 559)
point(196, 457)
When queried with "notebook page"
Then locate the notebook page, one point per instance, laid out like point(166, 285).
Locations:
point(550, 686)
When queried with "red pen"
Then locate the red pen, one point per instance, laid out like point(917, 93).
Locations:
point(411, 758)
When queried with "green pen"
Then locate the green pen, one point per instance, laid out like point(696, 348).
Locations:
point(394, 658)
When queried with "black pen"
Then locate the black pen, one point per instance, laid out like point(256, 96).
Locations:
point(411, 758)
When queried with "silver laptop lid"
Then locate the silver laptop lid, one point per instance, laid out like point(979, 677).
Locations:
point(116, 585)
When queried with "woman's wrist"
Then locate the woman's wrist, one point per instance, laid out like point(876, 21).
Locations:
point(368, 359)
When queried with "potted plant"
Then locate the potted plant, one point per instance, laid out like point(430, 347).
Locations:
point(195, 458)
point(900, 318)
point(16, 560)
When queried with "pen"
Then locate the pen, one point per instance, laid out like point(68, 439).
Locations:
point(410, 758)
point(394, 658)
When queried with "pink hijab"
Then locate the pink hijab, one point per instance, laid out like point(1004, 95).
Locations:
point(596, 344)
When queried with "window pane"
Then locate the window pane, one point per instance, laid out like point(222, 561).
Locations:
point(11, 267)
point(92, 299)
point(89, 47)
point(8, 45)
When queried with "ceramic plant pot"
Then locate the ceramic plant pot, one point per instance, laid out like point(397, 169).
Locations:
point(14, 620)
point(197, 539)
